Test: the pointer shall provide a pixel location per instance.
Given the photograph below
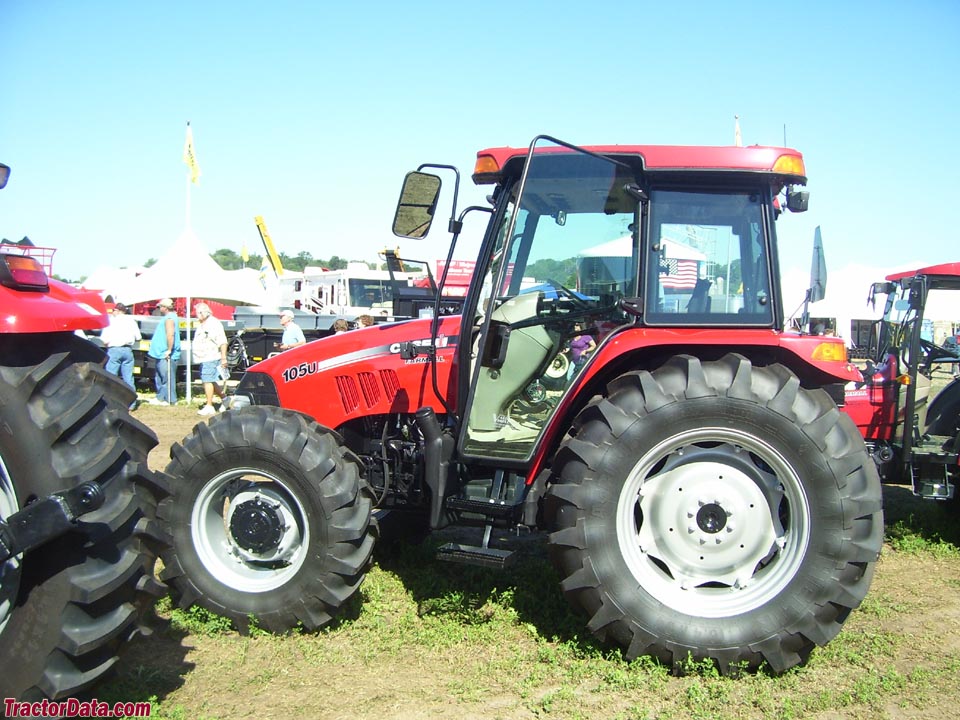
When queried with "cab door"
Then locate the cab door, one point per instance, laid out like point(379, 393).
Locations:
point(570, 217)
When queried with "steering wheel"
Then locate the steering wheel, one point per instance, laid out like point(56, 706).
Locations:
point(933, 353)
point(568, 294)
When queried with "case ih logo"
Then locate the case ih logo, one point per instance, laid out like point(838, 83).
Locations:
point(423, 345)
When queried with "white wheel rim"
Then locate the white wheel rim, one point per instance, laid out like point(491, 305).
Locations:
point(225, 554)
point(713, 523)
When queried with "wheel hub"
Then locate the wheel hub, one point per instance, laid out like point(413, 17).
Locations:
point(249, 530)
point(711, 518)
point(707, 517)
point(257, 526)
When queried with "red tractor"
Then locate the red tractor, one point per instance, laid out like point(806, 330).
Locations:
point(76, 498)
point(704, 496)
point(914, 438)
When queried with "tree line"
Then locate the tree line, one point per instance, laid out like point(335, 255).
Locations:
point(231, 260)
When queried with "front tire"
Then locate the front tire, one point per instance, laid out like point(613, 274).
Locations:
point(270, 518)
point(715, 511)
point(69, 606)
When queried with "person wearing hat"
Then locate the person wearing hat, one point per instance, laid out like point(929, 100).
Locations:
point(209, 350)
point(165, 351)
point(292, 334)
point(119, 338)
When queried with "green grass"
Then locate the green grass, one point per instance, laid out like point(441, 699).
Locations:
point(449, 639)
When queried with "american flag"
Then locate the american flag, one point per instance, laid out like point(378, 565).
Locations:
point(680, 274)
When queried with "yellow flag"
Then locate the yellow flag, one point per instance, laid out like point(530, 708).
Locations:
point(190, 157)
point(244, 255)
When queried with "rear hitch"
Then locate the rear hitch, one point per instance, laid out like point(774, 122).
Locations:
point(42, 521)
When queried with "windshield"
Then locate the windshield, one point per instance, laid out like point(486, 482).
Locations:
point(550, 293)
point(371, 293)
point(573, 216)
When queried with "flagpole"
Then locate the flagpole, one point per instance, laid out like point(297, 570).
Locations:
point(193, 176)
point(189, 353)
point(187, 208)
point(190, 160)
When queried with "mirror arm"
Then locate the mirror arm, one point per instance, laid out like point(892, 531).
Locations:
point(456, 192)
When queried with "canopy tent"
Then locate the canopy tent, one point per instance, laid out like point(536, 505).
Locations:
point(112, 282)
point(186, 270)
point(623, 247)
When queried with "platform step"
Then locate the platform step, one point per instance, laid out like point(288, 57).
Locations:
point(475, 555)
point(481, 506)
point(936, 491)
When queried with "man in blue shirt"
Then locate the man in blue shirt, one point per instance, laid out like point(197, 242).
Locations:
point(292, 334)
point(165, 350)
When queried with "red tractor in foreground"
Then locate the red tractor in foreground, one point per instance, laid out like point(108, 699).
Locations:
point(704, 496)
point(912, 433)
point(77, 502)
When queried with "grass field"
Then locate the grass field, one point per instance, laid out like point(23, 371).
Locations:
point(425, 639)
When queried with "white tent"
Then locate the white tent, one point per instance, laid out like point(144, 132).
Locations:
point(186, 270)
point(113, 282)
point(623, 247)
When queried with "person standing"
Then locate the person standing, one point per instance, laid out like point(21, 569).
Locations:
point(364, 320)
point(340, 326)
point(292, 334)
point(165, 350)
point(210, 350)
point(580, 348)
point(119, 338)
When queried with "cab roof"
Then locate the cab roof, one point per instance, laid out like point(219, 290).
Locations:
point(948, 272)
point(786, 162)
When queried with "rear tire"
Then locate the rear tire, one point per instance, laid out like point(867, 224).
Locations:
point(715, 511)
point(270, 518)
point(67, 607)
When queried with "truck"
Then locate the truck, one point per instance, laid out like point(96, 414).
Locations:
point(912, 432)
point(700, 492)
point(78, 537)
point(399, 291)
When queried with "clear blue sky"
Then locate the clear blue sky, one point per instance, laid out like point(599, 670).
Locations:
point(310, 113)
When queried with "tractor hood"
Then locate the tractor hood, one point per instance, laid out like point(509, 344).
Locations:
point(375, 370)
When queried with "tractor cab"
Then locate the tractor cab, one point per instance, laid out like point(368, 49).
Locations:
point(585, 243)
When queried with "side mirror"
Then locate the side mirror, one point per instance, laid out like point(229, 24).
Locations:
point(417, 205)
point(4, 174)
point(798, 200)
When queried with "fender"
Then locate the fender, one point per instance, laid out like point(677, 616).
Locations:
point(944, 410)
point(61, 308)
point(804, 354)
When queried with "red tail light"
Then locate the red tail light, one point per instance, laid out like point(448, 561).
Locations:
point(22, 272)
